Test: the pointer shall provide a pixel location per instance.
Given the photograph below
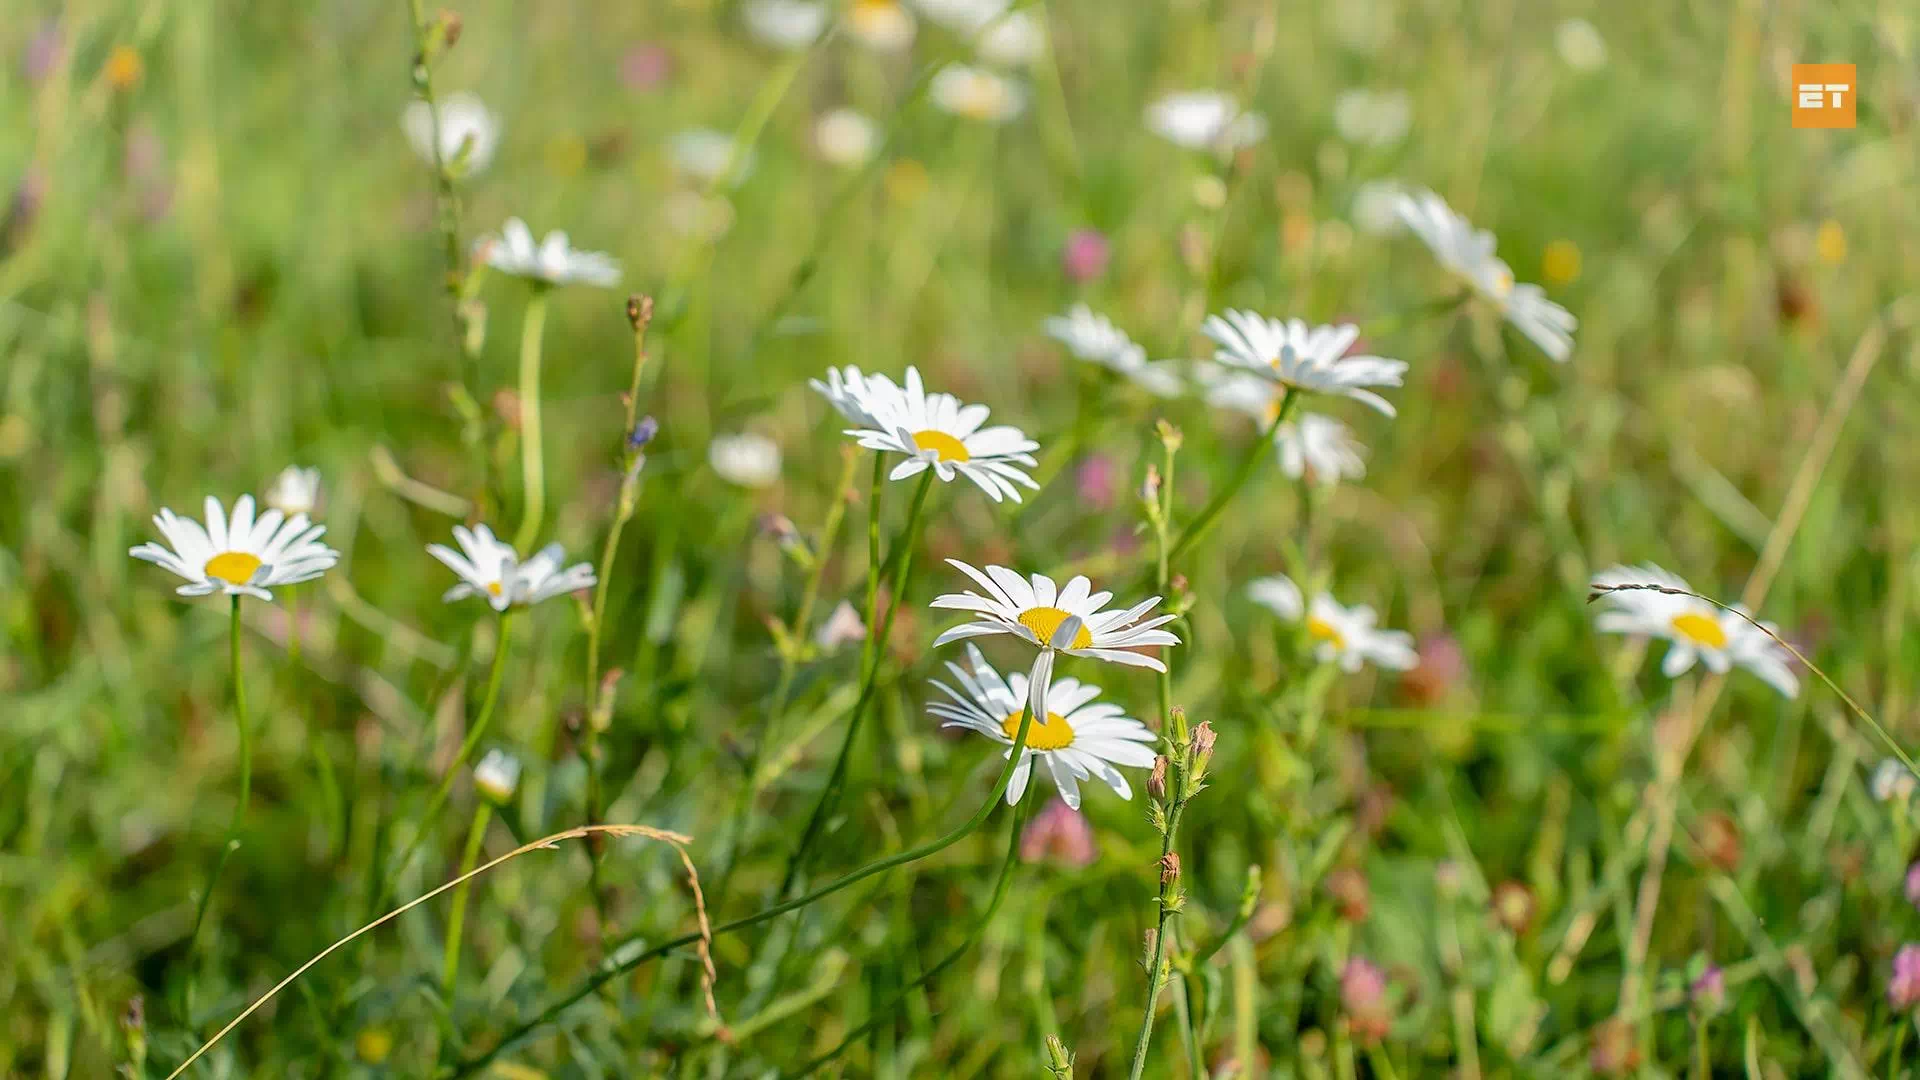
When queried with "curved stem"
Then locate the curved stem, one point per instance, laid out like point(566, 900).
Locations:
point(450, 962)
point(1198, 527)
point(607, 974)
point(533, 475)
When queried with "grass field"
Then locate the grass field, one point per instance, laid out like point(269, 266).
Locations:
point(1488, 838)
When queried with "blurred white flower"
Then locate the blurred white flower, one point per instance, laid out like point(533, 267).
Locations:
point(488, 567)
point(462, 117)
point(846, 390)
point(240, 556)
point(497, 775)
point(295, 491)
point(746, 459)
point(1079, 738)
point(704, 154)
point(1204, 120)
point(1306, 358)
point(1376, 207)
point(842, 627)
point(880, 24)
point(1372, 117)
point(1891, 781)
point(977, 94)
point(845, 137)
point(1014, 39)
point(1094, 338)
point(1342, 635)
point(1321, 449)
point(1580, 45)
point(553, 261)
point(936, 431)
point(963, 16)
point(1468, 252)
point(785, 24)
point(1694, 629)
point(692, 213)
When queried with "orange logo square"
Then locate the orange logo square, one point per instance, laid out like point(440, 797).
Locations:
point(1823, 95)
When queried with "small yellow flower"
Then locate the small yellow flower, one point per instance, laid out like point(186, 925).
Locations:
point(373, 1045)
point(1830, 243)
point(1560, 263)
point(124, 68)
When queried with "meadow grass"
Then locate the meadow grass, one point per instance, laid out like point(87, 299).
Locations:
point(1531, 854)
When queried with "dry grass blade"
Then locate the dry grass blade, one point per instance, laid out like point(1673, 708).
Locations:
point(677, 841)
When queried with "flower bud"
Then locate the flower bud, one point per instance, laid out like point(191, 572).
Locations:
point(1157, 779)
point(1913, 884)
point(1513, 907)
point(1363, 997)
point(497, 775)
point(1169, 868)
point(1059, 1058)
point(639, 311)
point(1903, 986)
point(1177, 726)
point(642, 434)
point(1202, 745)
point(1708, 991)
point(1150, 487)
point(1351, 896)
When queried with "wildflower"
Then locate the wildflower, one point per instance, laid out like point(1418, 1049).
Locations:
point(1085, 255)
point(1363, 996)
point(1560, 262)
point(746, 459)
point(295, 491)
point(842, 627)
point(1204, 120)
point(880, 24)
point(44, 51)
point(1830, 243)
point(1892, 782)
point(1077, 736)
point(124, 68)
point(465, 124)
point(963, 16)
point(704, 154)
point(1903, 987)
point(1097, 481)
point(1320, 449)
point(645, 67)
point(643, 433)
point(1707, 991)
point(1513, 907)
point(785, 24)
point(1013, 40)
point(1695, 629)
point(936, 431)
point(489, 567)
point(1468, 253)
point(1294, 355)
point(1352, 896)
point(1346, 636)
point(1093, 338)
point(1912, 884)
point(241, 555)
point(1072, 620)
point(1058, 834)
point(846, 390)
point(553, 262)
point(1376, 207)
point(1372, 118)
point(1580, 45)
point(1442, 667)
point(497, 775)
point(844, 137)
point(977, 94)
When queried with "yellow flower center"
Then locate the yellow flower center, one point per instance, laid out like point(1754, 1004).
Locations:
point(1700, 630)
point(493, 588)
point(941, 443)
point(1054, 734)
point(1045, 621)
point(1502, 284)
point(1321, 630)
point(233, 567)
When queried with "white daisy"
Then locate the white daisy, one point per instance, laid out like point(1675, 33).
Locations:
point(1204, 120)
point(977, 94)
point(1694, 629)
point(1069, 620)
point(1376, 207)
point(704, 154)
point(963, 16)
point(1891, 781)
point(785, 24)
point(845, 137)
point(488, 566)
point(1093, 337)
point(1309, 358)
point(880, 24)
point(746, 459)
point(1013, 40)
point(241, 555)
point(462, 117)
point(1079, 738)
point(552, 262)
point(1344, 635)
point(846, 390)
point(1372, 117)
point(1468, 253)
point(937, 431)
point(295, 491)
point(497, 775)
point(1321, 449)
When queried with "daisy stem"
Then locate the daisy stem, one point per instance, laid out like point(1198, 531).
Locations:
point(232, 841)
point(1157, 964)
point(532, 463)
point(909, 538)
point(873, 555)
point(474, 735)
point(607, 973)
point(456, 919)
point(1198, 527)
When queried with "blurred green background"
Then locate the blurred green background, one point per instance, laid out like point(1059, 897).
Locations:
point(220, 258)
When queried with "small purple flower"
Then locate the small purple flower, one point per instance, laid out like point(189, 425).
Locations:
point(43, 52)
point(1097, 481)
point(1708, 992)
point(1363, 986)
point(646, 67)
point(1913, 884)
point(1058, 833)
point(642, 434)
point(1903, 987)
point(1085, 256)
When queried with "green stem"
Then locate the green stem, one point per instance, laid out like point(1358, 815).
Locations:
point(607, 974)
point(1262, 446)
point(232, 841)
point(533, 475)
point(910, 536)
point(873, 557)
point(450, 963)
point(1156, 971)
